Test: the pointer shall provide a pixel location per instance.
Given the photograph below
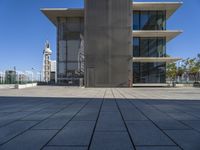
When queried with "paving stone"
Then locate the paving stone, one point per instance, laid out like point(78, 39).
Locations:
point(129, 112)
point(182, 116)
point(193, 124)
point(110, 121)
point(146, 133)
point(64, 148)
point(186, 139)
point(109, 106)
point(87, 115)
point(13, 129)
point(69, 111)
point(111, 141)
point(159, 118)
point(12, 117)
point(158, 148)
point(52, 123)
point(30, 140)
point(166, 108)
point(170, 124)
point(75, 133)
point(41, 115)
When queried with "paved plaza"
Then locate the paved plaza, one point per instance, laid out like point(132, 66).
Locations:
point(72, 118)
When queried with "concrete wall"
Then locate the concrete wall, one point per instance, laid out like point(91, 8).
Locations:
point(23, 86)
point(7, 86)
point(108, 46)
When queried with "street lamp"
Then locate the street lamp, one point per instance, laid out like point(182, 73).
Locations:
point(32, 74)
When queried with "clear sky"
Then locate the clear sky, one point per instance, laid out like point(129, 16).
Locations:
point(24, 29)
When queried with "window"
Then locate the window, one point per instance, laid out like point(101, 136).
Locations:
point(136, 47)
point(144, 19)
point(149, 20)
point(144, 45)
point(136, 20)
point(149, 72)
point(149, 47)
point(69, 42)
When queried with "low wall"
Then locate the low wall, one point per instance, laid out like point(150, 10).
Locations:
point(184, 85)
point(7, 86)
point(23, 86)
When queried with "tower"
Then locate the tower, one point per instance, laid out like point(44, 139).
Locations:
point(46, 62)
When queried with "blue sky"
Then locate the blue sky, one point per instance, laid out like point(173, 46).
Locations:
point(24, 29)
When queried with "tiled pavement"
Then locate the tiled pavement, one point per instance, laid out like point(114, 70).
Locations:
point(100, 119)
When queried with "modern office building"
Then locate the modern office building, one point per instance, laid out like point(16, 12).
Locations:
point(113, 43)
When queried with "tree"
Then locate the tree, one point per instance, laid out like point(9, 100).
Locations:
point(171, 71)
point(180, 71)
point(193, 67)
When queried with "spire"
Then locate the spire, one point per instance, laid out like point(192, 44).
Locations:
point(47, 45)
point(47, 48)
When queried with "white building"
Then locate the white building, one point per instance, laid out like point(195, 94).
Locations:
point(46, 62)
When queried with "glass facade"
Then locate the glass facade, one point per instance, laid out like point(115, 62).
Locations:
point(149, 72)
point(149, 47)
point(149, 20)
point(70, 33)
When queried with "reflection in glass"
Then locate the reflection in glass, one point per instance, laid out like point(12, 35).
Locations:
point(149, 72)
point(70, 35)
point(149, 20)
point(149, 47)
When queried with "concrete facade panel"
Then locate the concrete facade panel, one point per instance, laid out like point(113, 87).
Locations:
point(108, 42)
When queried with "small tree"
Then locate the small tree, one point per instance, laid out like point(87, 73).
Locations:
point(171, 71)
point(180, 72)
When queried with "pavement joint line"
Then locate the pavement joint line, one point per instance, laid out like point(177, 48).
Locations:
point(66, 146)
point(116, 131)
point(94, 129)
point(34, 125)
point(181, 111)
point(89, 100)
point(21, 117)
point(44, 129)
point(152, 122)
point(156, 146)
point(180, 121)
point(191, 126)
point(127, 130)
point(65, 124)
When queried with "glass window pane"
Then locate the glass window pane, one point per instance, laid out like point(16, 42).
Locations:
point(72, 50)
point(144, 18)
point(144, 47)
point(153, 47)
point(149, 72)
point(136, 47)
point(62, 50)
point(136, 20)
point(161, 20)
point(161, 47)
point(152, 22)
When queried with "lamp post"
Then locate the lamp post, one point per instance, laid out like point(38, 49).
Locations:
point(32, 74)
point(1, 76)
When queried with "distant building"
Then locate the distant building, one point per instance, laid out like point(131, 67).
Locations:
point(49, 66)
point(53, 72)
point(22, 78)
point(2, 77)
point(10, 77)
